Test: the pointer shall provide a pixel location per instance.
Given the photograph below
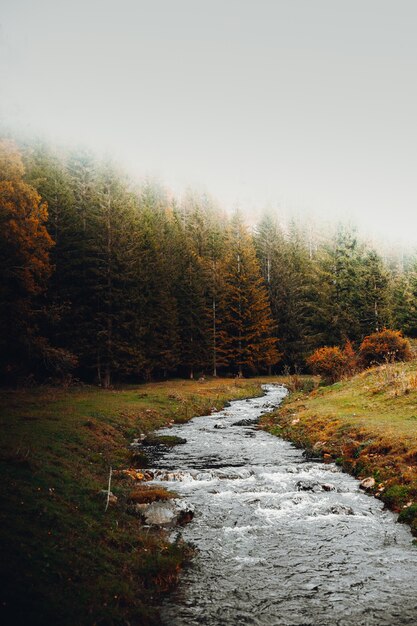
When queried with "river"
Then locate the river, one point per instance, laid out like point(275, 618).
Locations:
point(281, 540)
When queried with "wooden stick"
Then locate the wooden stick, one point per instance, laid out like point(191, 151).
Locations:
point(108, 491)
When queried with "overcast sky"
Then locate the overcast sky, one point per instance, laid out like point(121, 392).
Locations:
point(308, 105)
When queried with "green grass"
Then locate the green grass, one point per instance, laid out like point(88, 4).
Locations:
point(368, 424)
point(64, 560)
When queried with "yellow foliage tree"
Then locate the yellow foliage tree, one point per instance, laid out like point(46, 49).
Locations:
point(24, 257)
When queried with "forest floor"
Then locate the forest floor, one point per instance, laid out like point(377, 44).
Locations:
point(64, 559)
point(368, 425)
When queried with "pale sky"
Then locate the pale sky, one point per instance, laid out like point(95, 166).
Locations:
point(308, 105)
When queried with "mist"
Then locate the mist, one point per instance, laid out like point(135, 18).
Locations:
point(305, 108)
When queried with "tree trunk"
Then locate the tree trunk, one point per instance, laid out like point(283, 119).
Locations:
point(99, 380)
point(107, 377)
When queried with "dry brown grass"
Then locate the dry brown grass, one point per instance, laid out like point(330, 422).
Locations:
point(147, 494)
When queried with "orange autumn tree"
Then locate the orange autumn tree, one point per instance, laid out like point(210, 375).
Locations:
point(24, 258)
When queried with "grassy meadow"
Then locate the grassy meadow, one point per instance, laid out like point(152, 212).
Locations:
point(67, 561)
point(64, 560)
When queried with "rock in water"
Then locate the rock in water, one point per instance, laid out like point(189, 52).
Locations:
point(308, 485)
point(246, 422)
point(167, 513)
point(341, 509)
point(367, 483)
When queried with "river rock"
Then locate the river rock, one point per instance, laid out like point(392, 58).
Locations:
point(311, 485)
point(166, 513)
point(328, 487)
point(367, 483)
point(312, 455)
point(341, 509)
point(308, 485)
point(236, 474)
point(245, 422)
point(173, 476)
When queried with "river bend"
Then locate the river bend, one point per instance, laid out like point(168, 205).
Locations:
point(281, 540)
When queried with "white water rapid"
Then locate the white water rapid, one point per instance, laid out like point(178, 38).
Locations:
point(281, 540)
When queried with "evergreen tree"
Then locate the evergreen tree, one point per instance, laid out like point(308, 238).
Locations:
point(203, 250)
point(248, 340)
point(157, 271)
point(288, 273)
point(341, 273)
point(373, 309)
point(405, 301)
point(46, 171)
point(114, 247)
point(215, 293)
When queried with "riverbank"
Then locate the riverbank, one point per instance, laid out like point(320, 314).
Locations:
point(64, 559)
point(280, 540)
point(368, 425)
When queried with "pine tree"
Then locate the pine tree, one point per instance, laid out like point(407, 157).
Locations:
point(405, 301)
point(204, 238)
point(341, 273)
point(157, 270)
point(46, 171)
point(288, 273)
point(115, 247)
point(213, 263)
point(373, 305)
point(192, 314)
point(247, 325)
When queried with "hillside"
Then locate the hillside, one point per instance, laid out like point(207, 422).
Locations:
point(368, 424)
point(64, 559)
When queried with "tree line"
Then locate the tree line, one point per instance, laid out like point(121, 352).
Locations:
point(107, 280)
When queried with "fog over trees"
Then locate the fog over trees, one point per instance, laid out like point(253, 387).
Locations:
point(106, 280)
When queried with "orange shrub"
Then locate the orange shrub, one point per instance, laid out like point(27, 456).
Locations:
point(384, 346)
point(351, 358)
point(329, 362)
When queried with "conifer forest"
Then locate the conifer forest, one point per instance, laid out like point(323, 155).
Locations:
point(208, 313)
point(106, 280)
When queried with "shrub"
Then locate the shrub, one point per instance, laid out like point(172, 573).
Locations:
point(383, 347)
point(351, 358)
point(408, 515)
point(328, 362)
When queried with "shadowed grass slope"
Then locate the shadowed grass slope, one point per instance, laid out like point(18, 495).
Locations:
point(64, 560)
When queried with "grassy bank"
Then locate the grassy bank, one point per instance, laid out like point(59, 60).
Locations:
point(368, 424)
point(64, 560)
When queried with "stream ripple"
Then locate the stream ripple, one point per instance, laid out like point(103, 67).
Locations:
point(281, 540)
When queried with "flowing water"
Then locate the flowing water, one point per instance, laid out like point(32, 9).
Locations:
point(281, 540)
